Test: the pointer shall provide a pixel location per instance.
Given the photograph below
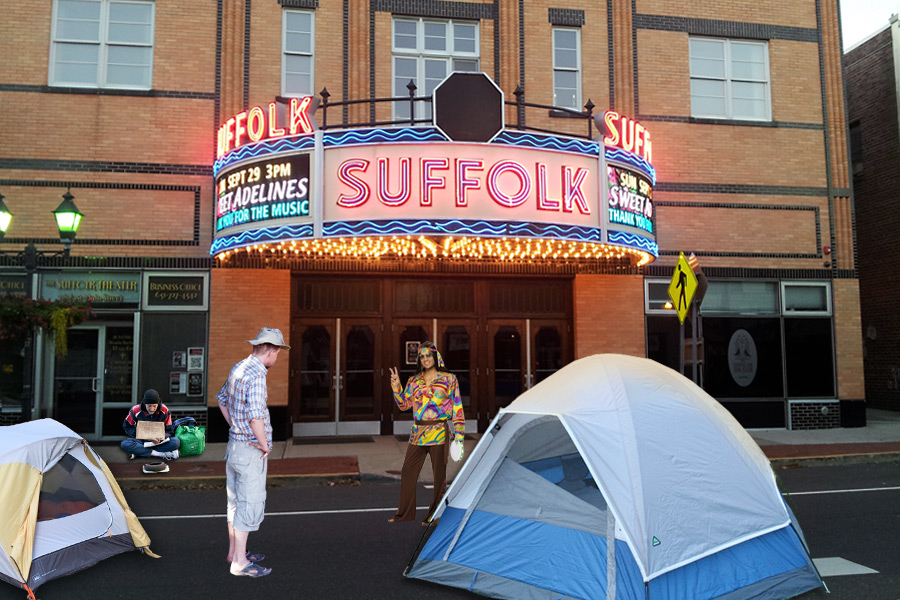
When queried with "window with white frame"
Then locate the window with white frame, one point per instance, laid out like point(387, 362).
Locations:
point(298, 35)
point(102, 44)
point(806, 298)
point(567, 67)
point(730, 79)
point(425, 51)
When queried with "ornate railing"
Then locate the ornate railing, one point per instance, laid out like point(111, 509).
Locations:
point(523, 110)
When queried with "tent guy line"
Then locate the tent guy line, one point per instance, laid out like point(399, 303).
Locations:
point(852, 491)
point(293, 513)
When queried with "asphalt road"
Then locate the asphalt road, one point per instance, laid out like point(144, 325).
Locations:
point(334, 542)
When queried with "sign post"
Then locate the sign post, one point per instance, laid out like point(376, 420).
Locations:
point(681, 292)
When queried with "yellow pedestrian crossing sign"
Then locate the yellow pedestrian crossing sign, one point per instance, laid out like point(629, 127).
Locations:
point(682, 287)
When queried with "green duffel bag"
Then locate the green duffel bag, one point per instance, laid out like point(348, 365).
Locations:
point(193, 439)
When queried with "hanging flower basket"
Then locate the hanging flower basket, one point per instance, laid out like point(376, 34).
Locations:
point(19, 314)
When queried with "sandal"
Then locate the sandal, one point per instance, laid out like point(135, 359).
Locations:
point(254, 557)
point(252, 570)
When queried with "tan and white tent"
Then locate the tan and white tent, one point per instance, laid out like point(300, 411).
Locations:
point(61, 509)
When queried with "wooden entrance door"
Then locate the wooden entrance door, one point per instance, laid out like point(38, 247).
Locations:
point(359, 378)
point(458, 345)
point(406, 337)
point(313, 377)
point(521, 353)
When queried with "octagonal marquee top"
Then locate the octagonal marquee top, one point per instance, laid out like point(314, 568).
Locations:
point(468, 107)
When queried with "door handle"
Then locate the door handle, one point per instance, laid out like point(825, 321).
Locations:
point(95, 384)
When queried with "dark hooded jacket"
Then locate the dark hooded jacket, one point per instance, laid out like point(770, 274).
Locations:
point(139, 413)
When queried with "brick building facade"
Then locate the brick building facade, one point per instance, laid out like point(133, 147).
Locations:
point(872, 95)
point(744, 101)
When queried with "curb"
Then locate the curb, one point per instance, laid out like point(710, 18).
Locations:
point(789, 462)
point(154, 481)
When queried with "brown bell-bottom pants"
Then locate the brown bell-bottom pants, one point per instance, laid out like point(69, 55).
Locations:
point(409, 474)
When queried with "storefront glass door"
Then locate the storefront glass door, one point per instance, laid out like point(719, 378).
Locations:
point(457, 346)
point(407, 336)
point(359, 386)
point(93, 383)
point(336, 377)
point(507, 377)
point(521, 353)
point(77, 383)
point(313, 373)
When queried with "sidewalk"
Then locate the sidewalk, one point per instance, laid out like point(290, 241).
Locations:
point(380, 457)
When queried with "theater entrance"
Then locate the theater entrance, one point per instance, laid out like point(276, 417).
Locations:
point(340, 363)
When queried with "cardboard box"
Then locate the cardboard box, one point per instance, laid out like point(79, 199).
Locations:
point(150, 430)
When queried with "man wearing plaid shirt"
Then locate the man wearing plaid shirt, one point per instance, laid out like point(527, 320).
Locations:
point(242, 401)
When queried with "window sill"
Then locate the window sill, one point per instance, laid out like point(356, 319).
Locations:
point(565, 114)
point(725, 121)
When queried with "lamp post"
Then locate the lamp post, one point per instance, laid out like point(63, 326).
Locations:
point(68, 219)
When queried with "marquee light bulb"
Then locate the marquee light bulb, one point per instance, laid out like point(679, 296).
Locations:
point(453, 248)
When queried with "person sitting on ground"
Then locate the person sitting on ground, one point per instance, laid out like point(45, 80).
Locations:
point(150, 409)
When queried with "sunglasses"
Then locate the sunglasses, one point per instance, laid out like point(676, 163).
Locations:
point(424, 353)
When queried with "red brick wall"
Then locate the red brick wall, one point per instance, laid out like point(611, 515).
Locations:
point(244, 300)
point(871, 98)
point(609, 315)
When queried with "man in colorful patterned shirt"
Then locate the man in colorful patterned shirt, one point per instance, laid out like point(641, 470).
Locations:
point(433, 395)
point(242, 401)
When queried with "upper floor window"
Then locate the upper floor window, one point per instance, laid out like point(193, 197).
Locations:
point(426, 51)
point(102, 43)
point(567, 67)
point(297, 53)
point(856, 147)
point(730, 79)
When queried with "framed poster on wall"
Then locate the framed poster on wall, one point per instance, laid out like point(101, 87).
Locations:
point(195, 359)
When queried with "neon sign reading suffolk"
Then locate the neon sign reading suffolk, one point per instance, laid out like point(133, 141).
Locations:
point(508, 183)
point(257, 124)
point(276, 188)
point(630, 199)
point(627, 134)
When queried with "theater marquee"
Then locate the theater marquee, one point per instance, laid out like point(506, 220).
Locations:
point(412, 192)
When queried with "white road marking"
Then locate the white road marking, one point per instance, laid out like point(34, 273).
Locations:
point(827, 567)
point(295, 513)
point(835, 566)
point(853, 491)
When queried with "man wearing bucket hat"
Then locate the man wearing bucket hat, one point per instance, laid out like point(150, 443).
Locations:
point(242, 401)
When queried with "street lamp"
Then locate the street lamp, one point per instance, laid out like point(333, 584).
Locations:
point(5, 217)
point(68, 219)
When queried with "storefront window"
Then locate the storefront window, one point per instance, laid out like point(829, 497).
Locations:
point(809, 359)
point(752, 349)
point(806, 298)
point(743, 357)
point(741, 297)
